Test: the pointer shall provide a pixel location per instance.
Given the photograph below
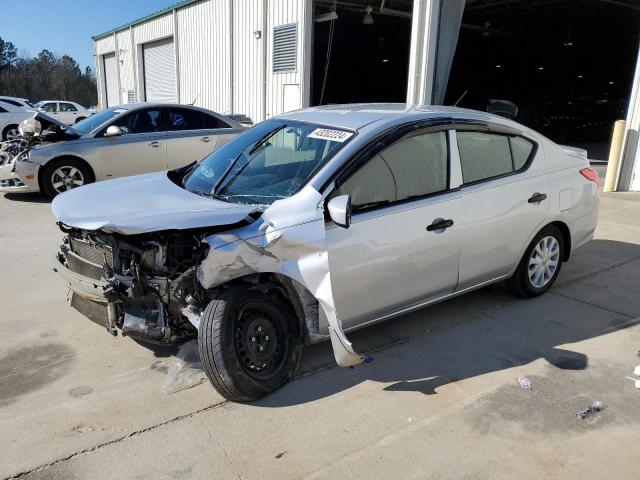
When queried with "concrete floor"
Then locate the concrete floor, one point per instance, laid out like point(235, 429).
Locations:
point(439, 400)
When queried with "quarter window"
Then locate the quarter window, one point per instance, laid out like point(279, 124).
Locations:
point(2, 110)
point(415, 166)
point(521, 150)
point(214, 122)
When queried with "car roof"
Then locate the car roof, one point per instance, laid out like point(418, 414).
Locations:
point(135, 106)
point(357, 116)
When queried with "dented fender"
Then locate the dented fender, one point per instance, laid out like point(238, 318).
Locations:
point(289, 239)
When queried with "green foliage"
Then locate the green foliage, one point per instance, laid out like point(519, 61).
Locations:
point(45, 77)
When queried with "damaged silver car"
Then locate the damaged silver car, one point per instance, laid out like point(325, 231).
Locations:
point(319, 222)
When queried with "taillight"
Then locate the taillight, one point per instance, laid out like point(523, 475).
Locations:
point(590, 174)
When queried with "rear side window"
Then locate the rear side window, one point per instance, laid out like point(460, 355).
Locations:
point(214, 122)
point(10, 102)
point(2, 110)
point(67, 107)
point(185, 119)
point(488, 155)
point(415, 166)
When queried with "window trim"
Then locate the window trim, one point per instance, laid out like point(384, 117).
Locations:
point(379, 144)
point(496, 130)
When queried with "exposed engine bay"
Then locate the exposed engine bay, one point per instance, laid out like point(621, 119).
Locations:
point(37, 130)
point(147, 281)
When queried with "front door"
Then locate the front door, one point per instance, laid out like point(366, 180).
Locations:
point(140, 149)
point(403, 245)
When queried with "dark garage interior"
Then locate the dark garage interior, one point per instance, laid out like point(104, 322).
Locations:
point(567, 65)
point(562, 67)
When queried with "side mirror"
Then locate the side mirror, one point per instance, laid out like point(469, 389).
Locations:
point(340, 210)
point(113, 131)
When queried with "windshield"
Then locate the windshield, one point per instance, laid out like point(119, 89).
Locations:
point(270, 161)
point(94, 121)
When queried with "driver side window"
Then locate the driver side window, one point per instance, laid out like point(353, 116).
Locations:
point(143, 121)
point(416, 165)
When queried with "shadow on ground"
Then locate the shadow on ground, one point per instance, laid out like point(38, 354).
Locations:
point(478, 333)
point(27, 197)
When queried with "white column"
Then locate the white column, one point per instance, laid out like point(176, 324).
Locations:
point(630, 171)
point(422, 58)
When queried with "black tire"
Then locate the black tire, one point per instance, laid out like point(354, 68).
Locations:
point(46, 181)
point(228, 354)
point(520, 283)
point(7, 129)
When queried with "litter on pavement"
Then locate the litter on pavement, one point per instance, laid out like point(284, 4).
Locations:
point(595, 407)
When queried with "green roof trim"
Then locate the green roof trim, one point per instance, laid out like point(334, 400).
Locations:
point(151, 16)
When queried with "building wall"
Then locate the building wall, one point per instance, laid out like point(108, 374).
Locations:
point(220, 63)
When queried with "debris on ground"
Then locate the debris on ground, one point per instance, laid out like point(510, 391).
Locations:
point(524, 382)
point(280, 455)
point(186, 369)
point(595, 407)
point(636, 371)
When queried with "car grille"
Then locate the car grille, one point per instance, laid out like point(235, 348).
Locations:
point(94, 311)
point(89, 251)
point(81, 266)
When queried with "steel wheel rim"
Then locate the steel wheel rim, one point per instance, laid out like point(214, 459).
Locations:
point(13, 133)
point(256, 328)
point(65, 178)
point(544, 261)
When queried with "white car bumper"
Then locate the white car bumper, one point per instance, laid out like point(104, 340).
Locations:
point(20, 177)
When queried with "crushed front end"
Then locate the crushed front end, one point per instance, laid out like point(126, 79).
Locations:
point(143, 285)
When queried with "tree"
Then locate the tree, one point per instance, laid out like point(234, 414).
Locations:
point(45, 76)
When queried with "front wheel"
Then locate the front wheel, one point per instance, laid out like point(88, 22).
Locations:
point(64, 174)
point(249, 342)
point(540, 264)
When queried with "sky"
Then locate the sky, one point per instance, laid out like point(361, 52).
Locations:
point(66, 26)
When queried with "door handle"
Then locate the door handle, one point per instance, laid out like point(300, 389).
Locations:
point(154, 144)
point(205, 139)
point(537, 197)
point(440, 224)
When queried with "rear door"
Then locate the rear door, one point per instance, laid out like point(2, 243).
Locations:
point(503, 175)
point(140, 149)
point(393, 256)
point(189, 136)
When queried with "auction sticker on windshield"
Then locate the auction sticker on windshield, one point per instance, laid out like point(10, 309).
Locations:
point(331, 135)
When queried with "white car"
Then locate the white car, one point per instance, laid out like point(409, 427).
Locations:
point(67, 112)
point(17, 102)
point(318, 222)
point(10, 118)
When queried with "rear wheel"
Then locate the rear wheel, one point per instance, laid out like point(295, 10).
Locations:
point(540, 264)
point(64, 174)
point(249, 344)
point(10, 132)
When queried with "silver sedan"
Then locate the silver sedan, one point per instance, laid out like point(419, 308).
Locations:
point(319, 222)
point(118, 142)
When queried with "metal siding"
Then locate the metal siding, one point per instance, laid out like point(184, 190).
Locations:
point(205, 55)
point(160, 71)
point(105, 45)
point(155, 29)
point(125, 56)
point(248, 70)
point(282, 12)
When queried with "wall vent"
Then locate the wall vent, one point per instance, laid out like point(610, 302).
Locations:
point(285, 48)
point(131, 96)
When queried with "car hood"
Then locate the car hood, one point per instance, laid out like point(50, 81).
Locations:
point(143, 204)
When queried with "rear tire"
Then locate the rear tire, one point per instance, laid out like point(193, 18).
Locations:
point(249, 342)
point(540, 265)
point(64, 174)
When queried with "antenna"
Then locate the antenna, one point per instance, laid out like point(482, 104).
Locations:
point(460, 99)
point(195, 99)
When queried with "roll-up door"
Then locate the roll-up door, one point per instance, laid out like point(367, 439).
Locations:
point(160, 71)
point(111, 79)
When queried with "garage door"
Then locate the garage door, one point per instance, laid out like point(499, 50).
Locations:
point(160, 71)
point(111, 79)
